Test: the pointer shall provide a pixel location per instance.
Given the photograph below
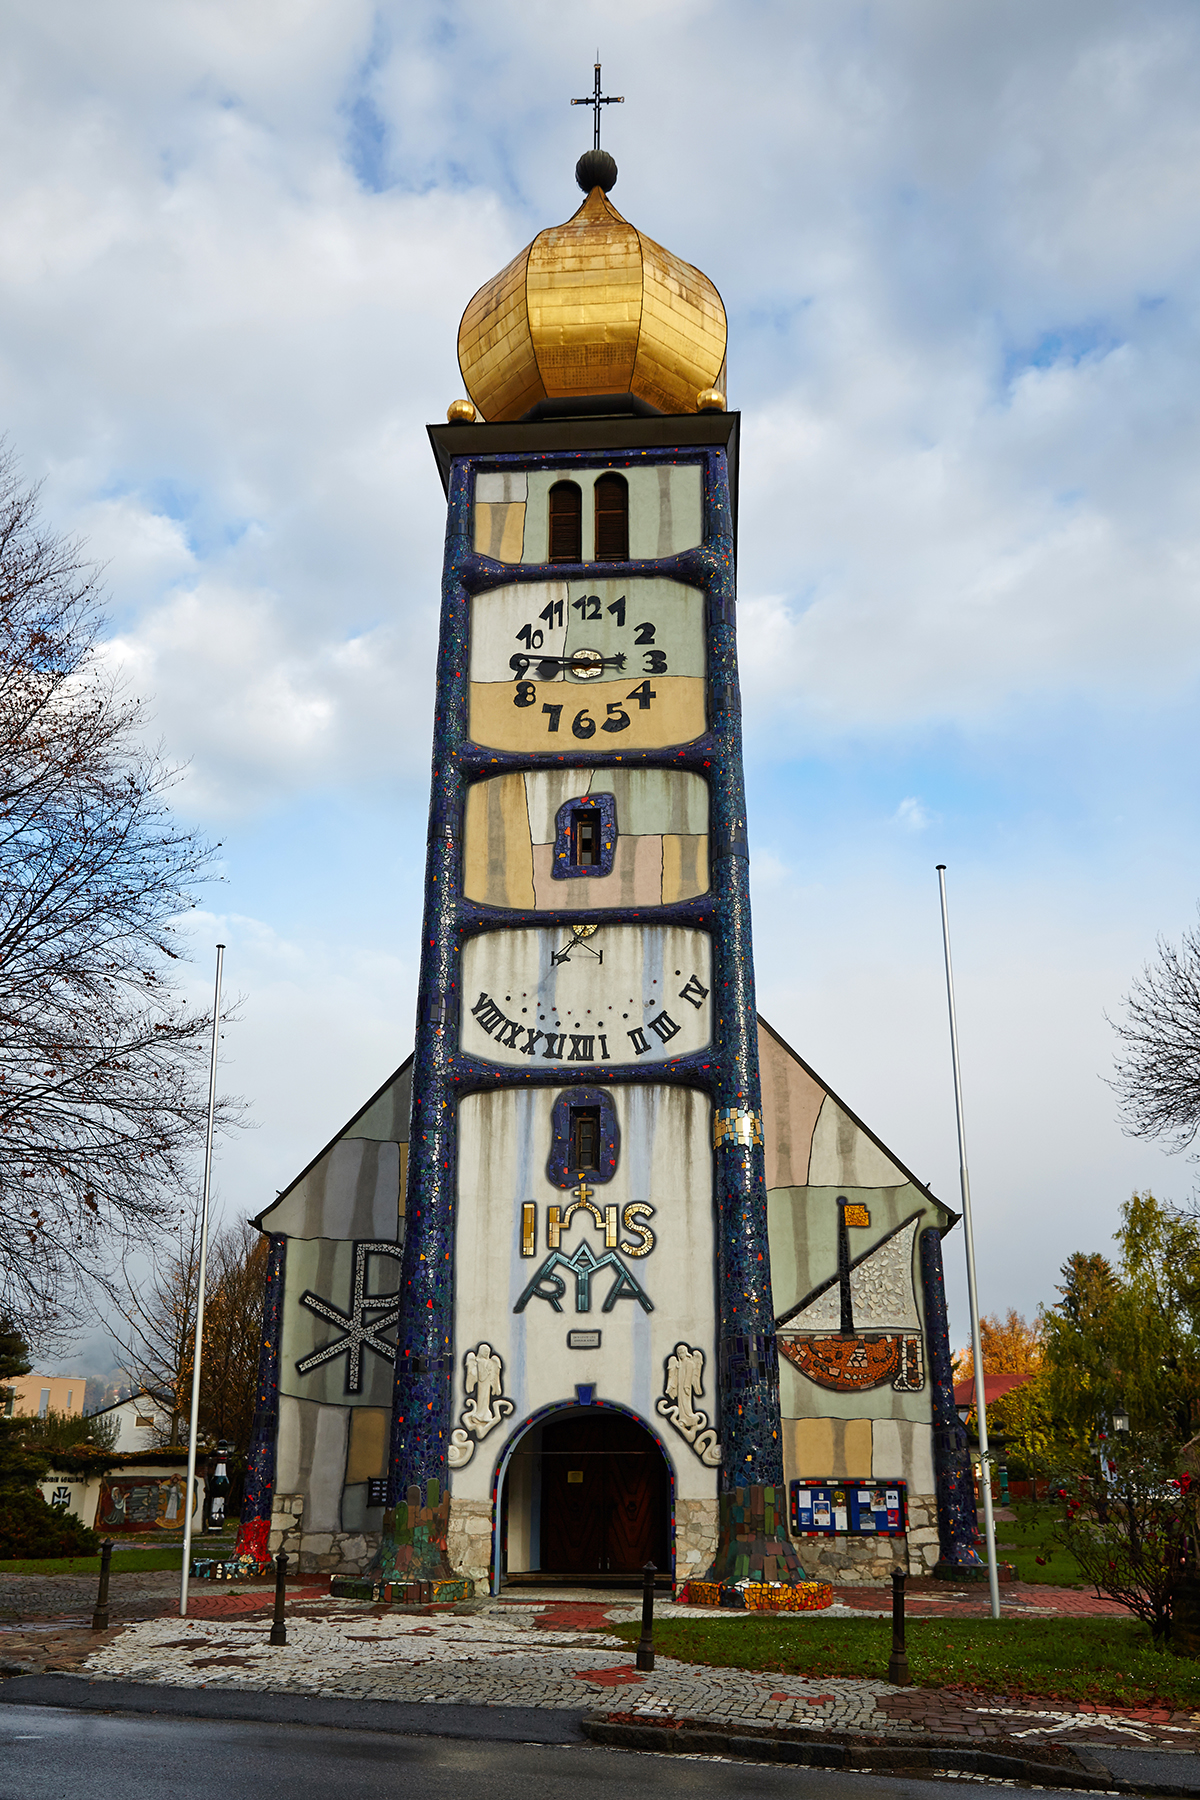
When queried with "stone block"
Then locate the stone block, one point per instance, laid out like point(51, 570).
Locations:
point(316, 1543)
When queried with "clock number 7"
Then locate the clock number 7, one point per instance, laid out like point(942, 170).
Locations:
point(555, 715)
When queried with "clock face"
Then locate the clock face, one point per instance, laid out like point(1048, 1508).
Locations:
point(612, 664)
point(619, 994)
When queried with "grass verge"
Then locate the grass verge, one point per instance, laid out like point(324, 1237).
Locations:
point(133, 1561)
point(1111, 1661)
point(1033, 1551)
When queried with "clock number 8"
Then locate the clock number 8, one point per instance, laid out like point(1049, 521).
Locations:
point(525, 695)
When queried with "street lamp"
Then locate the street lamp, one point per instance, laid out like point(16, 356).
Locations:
point(1121, 1421)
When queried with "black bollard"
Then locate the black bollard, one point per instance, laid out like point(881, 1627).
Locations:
point(278, 1628)
point(100, 1616)
point(645, 1649)
point(898, 1673)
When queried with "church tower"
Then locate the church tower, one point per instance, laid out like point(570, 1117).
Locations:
point(604, 1262)
point(587, 1358)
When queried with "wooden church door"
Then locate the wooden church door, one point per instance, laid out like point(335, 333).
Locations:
point(604, 1497)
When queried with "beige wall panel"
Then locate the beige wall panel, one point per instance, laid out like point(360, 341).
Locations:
point(636, 879)
point(837, 1448)
point(497, 853)
point(903, 1450)
point(666, 513)
point(676, 715)
point(503, 487)
point(500, 530)
point(648, 801)
point(636, 983)
point(366, 1459)
point(665, 1162)
point(842, 1153)
point(546, 790)
point(684, 868)
point(674, 610)
point(311, 1459)
point(791, 1101)
point(351, 1192)
point(665, 510)
point(387, 1116)
point(656, 800)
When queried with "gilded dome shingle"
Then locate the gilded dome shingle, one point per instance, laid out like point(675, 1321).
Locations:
point(592, 307)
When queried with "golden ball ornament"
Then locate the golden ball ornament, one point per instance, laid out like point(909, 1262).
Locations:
point(461, 412)
point(710, 400)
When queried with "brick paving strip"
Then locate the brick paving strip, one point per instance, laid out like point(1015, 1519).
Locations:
point(558, 1654)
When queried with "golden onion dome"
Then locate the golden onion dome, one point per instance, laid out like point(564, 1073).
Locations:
point(593, 307)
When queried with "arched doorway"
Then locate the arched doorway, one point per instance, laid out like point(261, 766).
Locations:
point(587, 1497)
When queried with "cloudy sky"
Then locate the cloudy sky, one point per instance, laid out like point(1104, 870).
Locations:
point(959, 247)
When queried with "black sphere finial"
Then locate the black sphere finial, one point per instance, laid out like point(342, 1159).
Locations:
point(596, 168)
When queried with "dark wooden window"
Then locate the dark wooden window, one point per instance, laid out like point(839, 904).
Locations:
point(612, 519)
point(566, 522)
point(585, 835)
point(585, 1137)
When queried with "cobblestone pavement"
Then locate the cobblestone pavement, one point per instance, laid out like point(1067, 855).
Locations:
point(549, 1653)
point(930, 1599)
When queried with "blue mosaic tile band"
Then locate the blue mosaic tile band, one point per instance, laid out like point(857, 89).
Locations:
point(955, 1484)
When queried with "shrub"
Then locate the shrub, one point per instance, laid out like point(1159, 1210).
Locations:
point(30, 1528)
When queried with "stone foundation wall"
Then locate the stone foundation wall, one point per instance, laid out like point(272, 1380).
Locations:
point(869, 1561)
point(469, 1541)
point(319, 1552)
point(696, 1531)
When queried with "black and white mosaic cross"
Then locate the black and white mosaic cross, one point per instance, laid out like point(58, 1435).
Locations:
point(369, 1316)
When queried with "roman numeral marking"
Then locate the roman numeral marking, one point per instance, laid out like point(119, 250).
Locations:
point(664, 1027)
point(554, 1046)
point(637, 1038)
point(581, 1049)
point(487, 1013)
point(694, 991)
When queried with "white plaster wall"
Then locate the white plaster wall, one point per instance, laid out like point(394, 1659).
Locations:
point(311, 1459)
point(644, 971)
point(666, 1159)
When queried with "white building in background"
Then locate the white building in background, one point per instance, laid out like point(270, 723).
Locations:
point(141, 1423)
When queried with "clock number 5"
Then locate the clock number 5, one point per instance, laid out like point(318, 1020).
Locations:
point(617, 719)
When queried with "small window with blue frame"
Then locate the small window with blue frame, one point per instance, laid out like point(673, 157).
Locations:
point(585, 837)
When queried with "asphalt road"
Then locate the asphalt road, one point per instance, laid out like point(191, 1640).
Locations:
point(51, 1753)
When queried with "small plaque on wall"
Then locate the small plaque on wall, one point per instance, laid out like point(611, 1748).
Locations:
point(583, 1340)
point(377, 1492)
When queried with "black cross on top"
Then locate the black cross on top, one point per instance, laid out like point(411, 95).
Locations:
point(596, 100)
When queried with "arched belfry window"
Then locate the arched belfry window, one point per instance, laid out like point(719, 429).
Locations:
point(566, 523)
point(612, 519)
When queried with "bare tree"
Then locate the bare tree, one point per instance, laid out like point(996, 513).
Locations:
point(101, 1096)
point(1158, 1073)
point(160, 1325)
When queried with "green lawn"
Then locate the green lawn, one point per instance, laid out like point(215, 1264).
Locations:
point(1032, 1534)
point(132, 1560)
point(1110, 1660)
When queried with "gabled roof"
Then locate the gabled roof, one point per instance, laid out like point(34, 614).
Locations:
point(346, 1131)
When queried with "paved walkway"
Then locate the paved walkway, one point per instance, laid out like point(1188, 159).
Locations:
point(544, 1652)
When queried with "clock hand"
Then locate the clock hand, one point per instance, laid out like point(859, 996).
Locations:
point(580, 660)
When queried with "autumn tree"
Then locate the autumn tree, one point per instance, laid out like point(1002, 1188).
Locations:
point(102, 1099)
point(1012, 1346)
point(158, 1339)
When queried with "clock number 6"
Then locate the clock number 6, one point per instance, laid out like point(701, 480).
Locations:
point(583, 725)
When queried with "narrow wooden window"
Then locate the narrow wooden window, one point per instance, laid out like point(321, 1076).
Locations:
point(566, 523)
point(585, 1137)
point(585, 831)
point(612, 519)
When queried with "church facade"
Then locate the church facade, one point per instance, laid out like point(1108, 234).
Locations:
point(604, 1274)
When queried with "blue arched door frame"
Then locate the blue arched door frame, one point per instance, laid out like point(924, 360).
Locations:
point(537, 1418)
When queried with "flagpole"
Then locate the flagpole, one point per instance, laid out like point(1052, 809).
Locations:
point(985, 1472)
point(200, 1286)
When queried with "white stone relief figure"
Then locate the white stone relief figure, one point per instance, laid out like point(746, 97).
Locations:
point(684, 1381)
point(483, 1378)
